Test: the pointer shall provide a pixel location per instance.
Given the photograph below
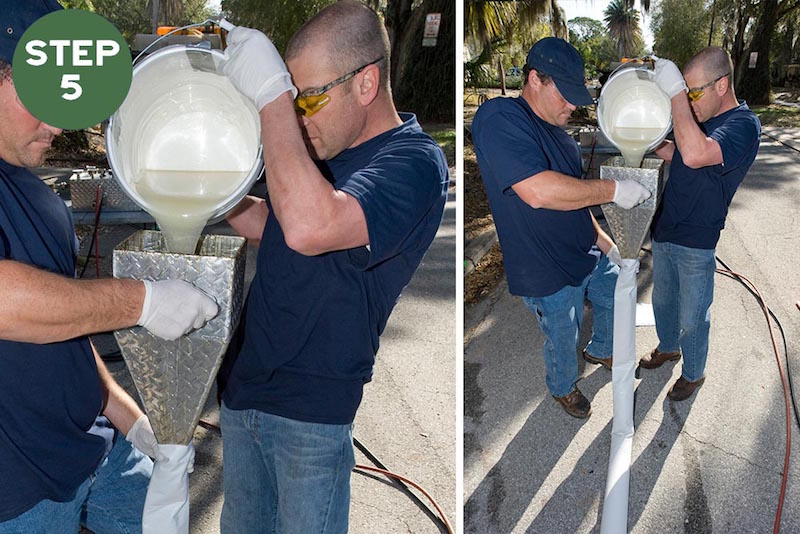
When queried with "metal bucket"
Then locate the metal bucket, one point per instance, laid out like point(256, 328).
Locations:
point(632, 99)
point(182, 114)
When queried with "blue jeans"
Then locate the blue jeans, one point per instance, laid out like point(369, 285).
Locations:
point(109, 501)
point(284, 476)
point(560, 316)
point(683, 288)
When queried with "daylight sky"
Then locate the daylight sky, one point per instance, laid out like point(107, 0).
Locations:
point(594, 9)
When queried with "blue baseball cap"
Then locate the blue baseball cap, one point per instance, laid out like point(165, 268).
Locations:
point(16, 16)
point(562, 62)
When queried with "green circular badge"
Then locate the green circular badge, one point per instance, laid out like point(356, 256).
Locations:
point(72, 69)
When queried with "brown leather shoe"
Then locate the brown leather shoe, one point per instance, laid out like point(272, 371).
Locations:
point(575, 404)
point(657, 359)
point(605, 362)
point(682, 389)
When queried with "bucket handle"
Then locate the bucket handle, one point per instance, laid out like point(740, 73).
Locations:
point(221, 22)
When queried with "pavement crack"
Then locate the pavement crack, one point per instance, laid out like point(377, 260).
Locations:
point(388, 513)
point(726, 452)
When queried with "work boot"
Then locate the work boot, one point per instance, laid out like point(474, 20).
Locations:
point(657, 359)
point(605, 362)
point(682, 389)
point(575, 404)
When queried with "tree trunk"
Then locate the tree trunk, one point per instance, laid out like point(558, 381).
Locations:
point(755, 83)
point(738, 43)
point(426, 76)
point(713, 12)
point(398, 15)
point(502, 72)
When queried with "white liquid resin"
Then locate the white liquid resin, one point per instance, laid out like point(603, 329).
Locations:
point(634, 142)
point(181, 202)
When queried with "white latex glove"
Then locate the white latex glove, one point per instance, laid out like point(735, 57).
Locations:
point(142, 437)
point(614, 256)
point(630, 193)
point(173, 307)
point(668, 77)
point(166, 507)
point(255, 67)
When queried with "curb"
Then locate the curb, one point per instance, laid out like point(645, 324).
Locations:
point(477, 248)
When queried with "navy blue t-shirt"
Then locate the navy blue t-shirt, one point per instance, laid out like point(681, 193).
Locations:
point(696, 201)
point(50, 393)
point(544, 250)
point(312, 323)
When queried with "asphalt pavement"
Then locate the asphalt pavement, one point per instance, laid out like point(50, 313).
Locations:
point(407, 417)
point(709, 464)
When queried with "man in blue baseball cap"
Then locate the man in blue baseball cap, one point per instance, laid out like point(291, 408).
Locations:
point(64, 464)
point(551, 243)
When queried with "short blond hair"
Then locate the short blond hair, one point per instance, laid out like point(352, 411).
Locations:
point(350, 34)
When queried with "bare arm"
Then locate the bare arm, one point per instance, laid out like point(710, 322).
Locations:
point(118, 406)
point(249, 217)
point(42, 307)
point(665, 150)
point(696, 149)
point(604, 241)
point(556, 191)
point(314, 217)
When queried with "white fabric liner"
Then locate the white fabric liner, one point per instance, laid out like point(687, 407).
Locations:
point(166, 507)
point(615, 507)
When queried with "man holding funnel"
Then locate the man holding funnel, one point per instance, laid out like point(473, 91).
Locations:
point(356, 193)
point(64, 464)
point(531, 171)
point(716, 141)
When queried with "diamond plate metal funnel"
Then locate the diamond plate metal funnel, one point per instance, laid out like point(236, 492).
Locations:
point(174, 378)
point(629, 227)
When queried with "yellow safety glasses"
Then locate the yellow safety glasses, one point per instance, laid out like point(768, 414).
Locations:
point(309, 102)
point(697, 93)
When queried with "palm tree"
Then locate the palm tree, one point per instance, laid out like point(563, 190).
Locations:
point(622, 22)
point(487, 22)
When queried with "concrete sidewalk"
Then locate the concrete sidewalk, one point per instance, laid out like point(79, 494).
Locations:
point(709, 464)
point(407, 417)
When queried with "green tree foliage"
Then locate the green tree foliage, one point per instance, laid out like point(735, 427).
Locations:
point(86, 5)
point(135, 16)
point(505, 29)
point(278, 19)
point(785, 48)
point(592, 41)
point(680, 29)
point(622, 23)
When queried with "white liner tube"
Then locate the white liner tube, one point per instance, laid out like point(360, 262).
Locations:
point(615, 507)
point(166, 507)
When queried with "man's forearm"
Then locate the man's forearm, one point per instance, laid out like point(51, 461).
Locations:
point(603, 241)
point(665, 150)
point(118, 406)
point(43, 307)
point(249, 217)
point(556, 191)
point(314, 216)
point(692, 143)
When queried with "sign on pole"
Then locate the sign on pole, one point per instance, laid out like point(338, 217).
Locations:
point(432, 23)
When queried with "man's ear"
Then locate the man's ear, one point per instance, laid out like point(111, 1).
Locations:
point(724, 86)
point(533, 79)
point(369, 84)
